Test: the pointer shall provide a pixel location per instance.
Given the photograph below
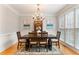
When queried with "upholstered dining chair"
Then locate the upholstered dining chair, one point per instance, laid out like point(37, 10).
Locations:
point(57, 40)
point(21, 42)
point(43, 41)
point(33, 41)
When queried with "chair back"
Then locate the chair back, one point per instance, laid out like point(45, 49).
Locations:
point(33, 39)
point(43, 34)
point(58, 35)
point(18, 35)
point(33, 33)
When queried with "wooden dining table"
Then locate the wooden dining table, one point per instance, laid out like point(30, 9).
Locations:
point(49, 37)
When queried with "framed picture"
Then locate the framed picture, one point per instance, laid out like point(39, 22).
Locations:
point(26, 26)
point(49, 26)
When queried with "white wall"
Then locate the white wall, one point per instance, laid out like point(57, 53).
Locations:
point(49, 18)
point(28, 20)
point(8, 27)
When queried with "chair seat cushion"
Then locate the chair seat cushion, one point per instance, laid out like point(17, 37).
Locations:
point(54, 39)
point(33, 42)
point(22, 40)
point(43, 42)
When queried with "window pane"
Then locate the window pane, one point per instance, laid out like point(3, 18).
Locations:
point(61, 22)
point(69, 37)
point(61, 27)
point(77, 39)
point(70, 20)
point(77, 18)
point(70, 28)
point(62, 35)
point(77, 29)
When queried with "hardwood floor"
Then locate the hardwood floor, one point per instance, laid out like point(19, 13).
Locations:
point(67, 51)
point(10, 50)
point(13, 50)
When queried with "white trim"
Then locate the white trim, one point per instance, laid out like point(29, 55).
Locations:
point(6, 34)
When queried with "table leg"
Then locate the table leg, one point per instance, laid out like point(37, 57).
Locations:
point(27, 45)
point(50, 44)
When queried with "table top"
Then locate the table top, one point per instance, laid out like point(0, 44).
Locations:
point(39, 36)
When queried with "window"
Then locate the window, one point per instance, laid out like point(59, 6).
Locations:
point(70, 31)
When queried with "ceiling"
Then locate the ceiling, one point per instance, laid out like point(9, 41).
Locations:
point(31, 8)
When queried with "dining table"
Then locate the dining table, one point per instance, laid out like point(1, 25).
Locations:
point(50, 37)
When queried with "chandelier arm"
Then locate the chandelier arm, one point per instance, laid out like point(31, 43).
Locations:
point(37, 14)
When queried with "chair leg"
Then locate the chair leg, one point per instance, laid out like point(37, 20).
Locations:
point(39, 47)
point(29, 47)
point(47, 47)
point(18, 46)
point(58, 45)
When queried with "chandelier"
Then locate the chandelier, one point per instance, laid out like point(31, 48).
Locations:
point(37, 13)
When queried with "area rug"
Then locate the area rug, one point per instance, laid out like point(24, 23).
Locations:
point(54, 51)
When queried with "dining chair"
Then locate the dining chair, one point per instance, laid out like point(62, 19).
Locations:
point(21, 42)
point(33, 41)
point(57, 40)
point(43, 41)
